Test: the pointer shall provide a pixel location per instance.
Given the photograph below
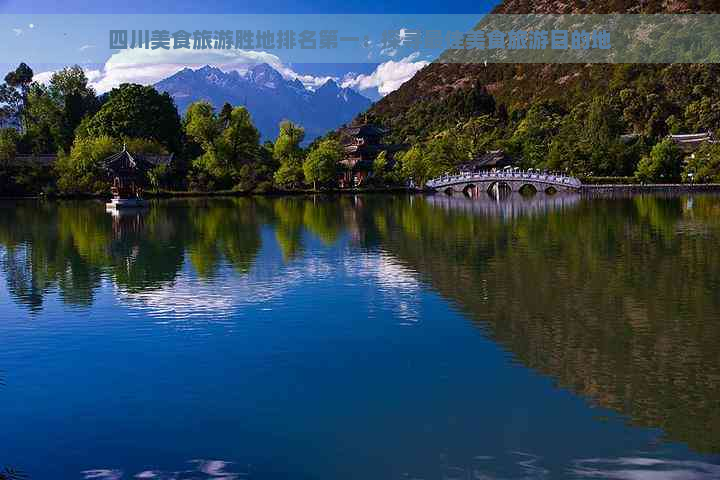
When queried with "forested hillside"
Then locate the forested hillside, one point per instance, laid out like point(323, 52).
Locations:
point(575, 117)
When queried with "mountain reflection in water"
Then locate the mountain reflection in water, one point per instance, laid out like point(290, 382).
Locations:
point(615, 300)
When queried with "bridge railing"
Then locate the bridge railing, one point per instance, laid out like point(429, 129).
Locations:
point(544, 177)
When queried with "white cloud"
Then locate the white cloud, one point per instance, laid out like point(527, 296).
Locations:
point(43, 77)
point(86, 47)
point(31, 26)
point(388, 76)
point(148, 67)
point(17, 31)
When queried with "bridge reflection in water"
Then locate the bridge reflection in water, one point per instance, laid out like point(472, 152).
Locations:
point(512, 205)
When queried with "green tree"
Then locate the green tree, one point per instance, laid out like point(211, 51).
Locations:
point(157, 176)
point(288, 153)
point(13, 93)
point(8, 144)
point(225, 115)
point(380, 167)
point(135, 111)
point(70, 91)
point(143, 146)
point(415, 166)
point(321, 165)
point(663, 163)
point(239, 142)
point(703, 114)
point(287, 144)
point(230, 150)
point(603, 124)
point(44, 122)
point(81, 171)
point(533, 135)
point(201, 125)
point(441, 155)
point(478, 134)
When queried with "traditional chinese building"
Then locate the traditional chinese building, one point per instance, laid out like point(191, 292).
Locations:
point(128, 173)
point(690, 142)
point(362, 143)
point(490, 160)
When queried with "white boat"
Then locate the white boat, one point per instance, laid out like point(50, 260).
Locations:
point(134, 202)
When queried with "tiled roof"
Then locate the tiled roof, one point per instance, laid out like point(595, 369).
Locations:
point(126, 162)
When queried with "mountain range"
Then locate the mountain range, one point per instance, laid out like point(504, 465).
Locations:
point(268, 96)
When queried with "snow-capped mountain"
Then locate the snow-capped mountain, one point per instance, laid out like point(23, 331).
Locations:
point(268, 96)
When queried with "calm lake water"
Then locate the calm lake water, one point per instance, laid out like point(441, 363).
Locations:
point(369, 337)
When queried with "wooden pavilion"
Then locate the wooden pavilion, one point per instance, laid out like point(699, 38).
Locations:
point(128, 175)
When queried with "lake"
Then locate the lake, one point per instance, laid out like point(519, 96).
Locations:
point(365, 337)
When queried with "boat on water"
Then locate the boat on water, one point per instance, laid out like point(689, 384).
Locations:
point(118, 203)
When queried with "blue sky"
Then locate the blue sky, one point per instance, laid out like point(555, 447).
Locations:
point(262, 7)
point(51, 34)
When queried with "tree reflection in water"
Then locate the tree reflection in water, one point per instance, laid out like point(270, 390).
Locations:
point(614, 299)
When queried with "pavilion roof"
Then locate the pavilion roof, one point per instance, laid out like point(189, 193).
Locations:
point(125, 162)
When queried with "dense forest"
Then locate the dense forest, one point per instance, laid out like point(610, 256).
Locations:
point(212, 151)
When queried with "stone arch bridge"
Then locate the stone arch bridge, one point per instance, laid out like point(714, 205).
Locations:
point(470, 183)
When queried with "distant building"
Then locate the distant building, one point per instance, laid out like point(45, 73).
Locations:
point(628, 138)
point(689, 142)
point(490, 160)
point(362, 143)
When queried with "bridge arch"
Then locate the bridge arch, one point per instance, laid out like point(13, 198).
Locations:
point(499, 187)
point(528, 189)
point(471, 190)
point(550, 190)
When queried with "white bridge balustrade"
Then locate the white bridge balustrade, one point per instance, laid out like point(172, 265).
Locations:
point(513, 180)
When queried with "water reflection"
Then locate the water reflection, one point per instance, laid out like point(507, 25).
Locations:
point(613, 299)
point(512, 205)
point(641, 468)
point(510, 466)
point(199, 470)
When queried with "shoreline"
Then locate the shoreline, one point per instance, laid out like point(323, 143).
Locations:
point(667, 188)
point(591, 189)
point(224, 193)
